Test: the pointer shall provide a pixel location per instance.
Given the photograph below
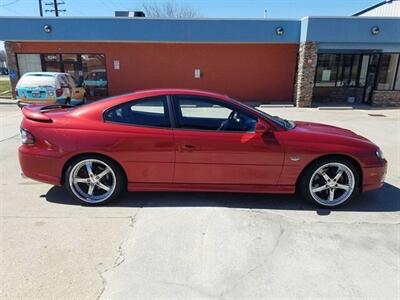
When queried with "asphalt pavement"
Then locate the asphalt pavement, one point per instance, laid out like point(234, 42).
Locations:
point(201, 245)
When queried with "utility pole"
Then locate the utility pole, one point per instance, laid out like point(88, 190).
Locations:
point(55, 8)
point(40, 8)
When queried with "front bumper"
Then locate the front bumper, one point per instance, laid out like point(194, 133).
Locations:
point(374, 177)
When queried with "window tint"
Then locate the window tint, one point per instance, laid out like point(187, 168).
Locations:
point(209, 114)
point(326, 70)
point(387, 71)
point(71, 81)
point(152, 112)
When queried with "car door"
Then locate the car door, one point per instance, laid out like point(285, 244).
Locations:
point(140, 137)
point(209, 152)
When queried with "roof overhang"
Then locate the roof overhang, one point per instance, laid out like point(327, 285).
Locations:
point(116, 29)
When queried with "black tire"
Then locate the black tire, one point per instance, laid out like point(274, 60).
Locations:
point(304, 185)
point(117, 174)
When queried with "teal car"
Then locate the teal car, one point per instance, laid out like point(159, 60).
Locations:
point(48, 88)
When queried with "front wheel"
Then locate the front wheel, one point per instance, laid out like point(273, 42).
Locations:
point(94, 180)
point(330, 182)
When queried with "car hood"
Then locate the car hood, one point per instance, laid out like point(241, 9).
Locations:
point(327, 129)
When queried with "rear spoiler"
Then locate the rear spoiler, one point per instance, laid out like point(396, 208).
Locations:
point(33, 112)
point(36, 112)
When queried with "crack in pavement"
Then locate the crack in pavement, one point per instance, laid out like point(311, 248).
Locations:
point(249, 272)
point(120, 257)
point(192, 288)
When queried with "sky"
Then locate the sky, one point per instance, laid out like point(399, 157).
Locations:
point(206, 8)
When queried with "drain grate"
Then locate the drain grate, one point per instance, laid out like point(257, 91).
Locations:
point(376, 115)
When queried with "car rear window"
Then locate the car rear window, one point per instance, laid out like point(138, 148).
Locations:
point(36, 80)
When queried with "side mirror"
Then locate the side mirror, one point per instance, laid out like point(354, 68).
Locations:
point(262, 127)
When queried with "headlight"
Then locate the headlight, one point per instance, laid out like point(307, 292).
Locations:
point(379, 154)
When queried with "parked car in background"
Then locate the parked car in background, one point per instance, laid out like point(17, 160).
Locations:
point(3, 71)
point(185, 140)
point(49, 88)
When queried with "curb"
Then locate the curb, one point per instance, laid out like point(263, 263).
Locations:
point(7, 101)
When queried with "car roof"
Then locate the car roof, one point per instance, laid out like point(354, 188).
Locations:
point(177, 91)
point(106, 103)
point(45, 73)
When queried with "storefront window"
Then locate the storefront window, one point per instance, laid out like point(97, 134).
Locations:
point(94, 74)
point(69, 57)
point(387, 71)
point(326, 70)
point(380, 71)
point(88, 70)
point(29, 63)
point(397, 84)
point(348, 70)
point(52, 63)
point(363, 71)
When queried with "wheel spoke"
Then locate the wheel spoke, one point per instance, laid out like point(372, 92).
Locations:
point(80, 180)
point(331, 194)
point(91, 188)
point(104, 173)
point(325, 176)
point(103, 186)
point(338, 175)
point(319, 189)
point(342, 187)
point(89, 168)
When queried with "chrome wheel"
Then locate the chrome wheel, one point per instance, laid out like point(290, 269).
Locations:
point(92, 180)
point(332, 184)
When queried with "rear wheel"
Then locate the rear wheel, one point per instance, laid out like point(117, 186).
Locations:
point(330, 182)
point(94, 180)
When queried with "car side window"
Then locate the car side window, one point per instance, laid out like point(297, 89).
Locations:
point(211, 114)
point(71, 81)
point(63, 81)
point(151, 112)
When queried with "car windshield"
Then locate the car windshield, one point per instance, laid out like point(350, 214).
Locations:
point(287, 124)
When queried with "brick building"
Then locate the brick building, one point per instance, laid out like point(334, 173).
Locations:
point(305, 62)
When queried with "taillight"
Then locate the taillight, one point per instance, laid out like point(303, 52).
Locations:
point(16, 92)
point(26, 137)
point(59, 92)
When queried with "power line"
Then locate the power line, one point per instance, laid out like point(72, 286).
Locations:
point(54, 6)
point(9, 3)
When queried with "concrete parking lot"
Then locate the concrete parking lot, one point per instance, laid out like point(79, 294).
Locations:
point(201, 245)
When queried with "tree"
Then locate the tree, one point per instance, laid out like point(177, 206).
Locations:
point(170, 10)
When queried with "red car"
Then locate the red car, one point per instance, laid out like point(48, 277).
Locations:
point(186, 140)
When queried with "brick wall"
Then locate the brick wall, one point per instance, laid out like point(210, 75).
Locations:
point(386, 98)
point(306, 67)
point(337, 94)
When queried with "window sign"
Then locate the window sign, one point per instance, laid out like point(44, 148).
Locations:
point(326, 75)
point(52, 57)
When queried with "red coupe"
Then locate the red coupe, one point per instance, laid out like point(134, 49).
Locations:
point(187, 140)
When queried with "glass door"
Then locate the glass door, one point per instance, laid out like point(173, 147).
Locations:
point(371, 78)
